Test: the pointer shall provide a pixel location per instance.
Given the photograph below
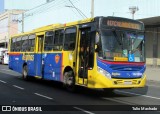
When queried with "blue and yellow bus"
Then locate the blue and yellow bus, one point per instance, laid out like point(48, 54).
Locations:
point(100, 52)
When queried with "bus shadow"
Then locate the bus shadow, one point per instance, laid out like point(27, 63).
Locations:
point(116, 93)
point(96, 93)
point(135, 91)
point(44, 83)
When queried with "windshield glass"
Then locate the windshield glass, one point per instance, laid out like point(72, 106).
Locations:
point(122, 46)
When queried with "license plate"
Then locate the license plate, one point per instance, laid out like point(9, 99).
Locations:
point(127, 83)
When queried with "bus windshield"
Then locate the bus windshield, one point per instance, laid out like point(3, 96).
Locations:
point(119, 45)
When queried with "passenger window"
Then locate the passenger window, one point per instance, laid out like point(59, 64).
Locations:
point(13, 44)
point(61, 37)
point(18, 44)
point(58, 40)
point(70, 38)
point(24, 43)
point(31, 43)
point(49, 38)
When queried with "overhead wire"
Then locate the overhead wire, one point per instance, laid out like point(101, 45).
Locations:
point(42, 8)
point(79, 11)
point(46, 8)
point(36, 7)
point(57, 6)
point(41, 5)
point(74, 11)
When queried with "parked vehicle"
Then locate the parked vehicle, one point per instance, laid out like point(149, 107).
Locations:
point(5, 57)
point(1, 53)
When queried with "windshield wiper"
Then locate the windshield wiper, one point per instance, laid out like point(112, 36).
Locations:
point(116, 36)
point(135, 38)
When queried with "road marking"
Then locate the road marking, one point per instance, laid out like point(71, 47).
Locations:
point(3, 81)
point(88, 112)
point(43, 96)
point(6, 69)
point(18, 87)
point(9, 73)
point(153, 85)
point(118, 100)
point(139, 94)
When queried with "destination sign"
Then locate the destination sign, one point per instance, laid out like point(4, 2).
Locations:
point(123, 24)
point(118, 22)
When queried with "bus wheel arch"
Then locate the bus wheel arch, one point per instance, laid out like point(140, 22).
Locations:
point(69, 78)
point(25, 72)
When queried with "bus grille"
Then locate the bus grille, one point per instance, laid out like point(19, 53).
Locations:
point(126, 82)
point(125, 68)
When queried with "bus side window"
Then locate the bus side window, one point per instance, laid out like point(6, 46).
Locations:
point(13, 43)
point(70, 38)
point(31, 43)
point(18, 44)
point(92, 49)
point(61, 37)
point(49, 37)
point(58, 40)
point(24, 43)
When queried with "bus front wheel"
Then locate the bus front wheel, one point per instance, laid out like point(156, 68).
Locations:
point(25, 72)
point(69, 81)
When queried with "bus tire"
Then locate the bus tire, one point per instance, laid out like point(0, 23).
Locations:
point(25, 72)
point(69, 81)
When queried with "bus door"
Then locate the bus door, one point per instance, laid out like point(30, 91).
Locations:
point(39, 57)
point(83, 56)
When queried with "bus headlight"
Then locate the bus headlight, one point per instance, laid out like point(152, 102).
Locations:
point(105, 73)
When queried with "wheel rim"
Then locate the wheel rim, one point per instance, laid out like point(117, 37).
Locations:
point(69, 80)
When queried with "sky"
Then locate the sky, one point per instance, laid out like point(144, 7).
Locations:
point(57, 12)
point(1, 6)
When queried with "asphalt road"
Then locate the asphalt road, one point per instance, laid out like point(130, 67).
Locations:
point(16, 91)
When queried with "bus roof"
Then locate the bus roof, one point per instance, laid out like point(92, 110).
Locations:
point(54, 26)
point(58, 25)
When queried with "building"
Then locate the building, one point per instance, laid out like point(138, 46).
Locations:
point(9, 12)
point(152, 34)
point(8, 26)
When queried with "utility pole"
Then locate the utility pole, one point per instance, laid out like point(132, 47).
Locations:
point(92, 8)
point(5, 45)
point(133, 10)
point(8, 29)
point(22, 22)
